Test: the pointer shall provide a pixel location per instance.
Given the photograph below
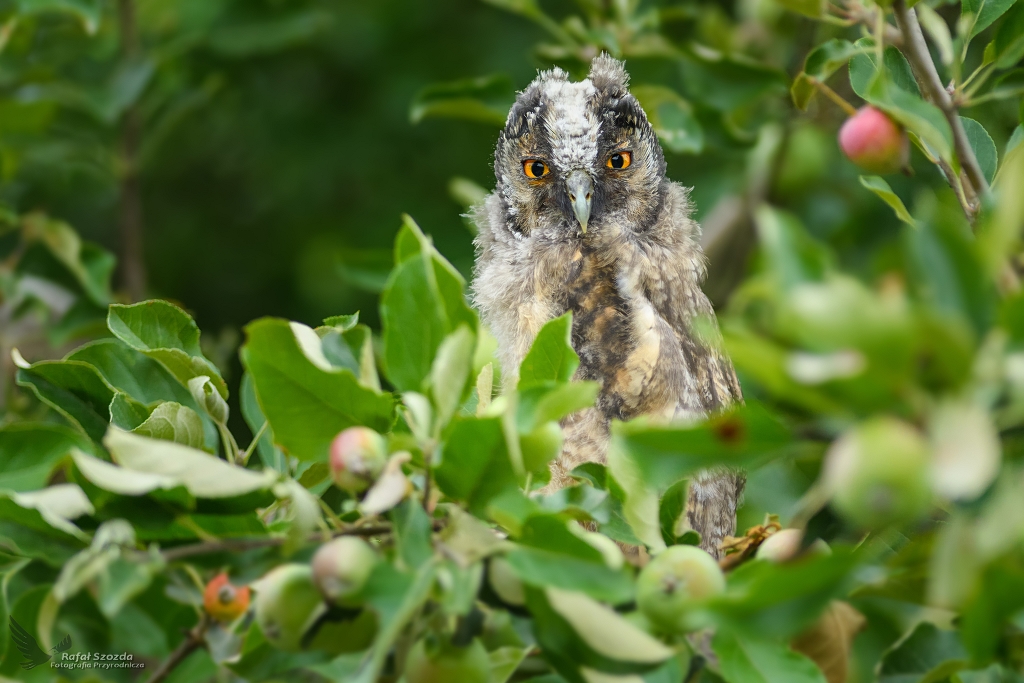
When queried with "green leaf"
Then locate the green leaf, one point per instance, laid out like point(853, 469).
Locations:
point(204, 475)
point(412, 533)
point(670, 510)
point(422, 304)
point(89, 12)
point(270, 455)
point(983, 146)
point(672, 118)
point(174, 422)
point(726, 82)
point(880, 187)
point(126, 412)
point(809, 8)
point(1008, 45)
point(791, 255)
point(343, 322)
point(933, 23)
point(984, 12)
point(486, 99)
point(863, 69)
point(475, 465)
point(38, 524)
point(241, 40)
point(449, 373)
point(750, 660)
point(820, 64)
point(552, 401)
point(30, 450)
point(551, 357)
point(743, 437)
point(929, 655)
point(167, 334)
point(89, 265)
point(919, 117)
point(75, 390)
point(305, 398)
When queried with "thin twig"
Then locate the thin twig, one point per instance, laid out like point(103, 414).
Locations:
point(833, 95)
point(255, 442)
point(194, 640)
point(931, 84)
point(243, 544)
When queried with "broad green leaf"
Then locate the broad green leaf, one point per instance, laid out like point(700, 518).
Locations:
point(449, 373)
point(929, 655)
point(863, 69)
point(422, 304)
point(605, 630)
point(240, 40)
point(120, 480)
point(670, 510)
point(75, 390)
point(344, 322)
point(173, 422)
point(204, 475)
point(880, 187)
point(725, 82)
point(412, 533)
point(1008, 45)
point(1015, 139)
point(820, 64)
point(504, 662)
point(749, 660)
point(87, 565)
point(983, 146)
point(126, 412)
point(791, 255)
point(270, 455)
point(782, 599)
point(29, 451)
point(743, 437)
point(306, 400)
point(37, 524)
point(89, 265)
point(919, 117)
point(983, 13)
point(1000, 596)
point(486, 99)
point(672, 118)
point(167, 334)
point(475, 465)
point(551, 401)
point(551, 356)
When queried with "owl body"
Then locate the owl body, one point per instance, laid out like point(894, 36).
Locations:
point(584, 220)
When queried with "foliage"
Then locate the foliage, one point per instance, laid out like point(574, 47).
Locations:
point(124, 490)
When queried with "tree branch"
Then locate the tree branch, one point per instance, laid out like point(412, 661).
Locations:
point(931, 84)
point(194, 639)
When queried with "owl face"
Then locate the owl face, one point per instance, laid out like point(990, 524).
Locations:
point(576, 157)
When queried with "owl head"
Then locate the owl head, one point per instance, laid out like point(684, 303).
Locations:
point(575, 157)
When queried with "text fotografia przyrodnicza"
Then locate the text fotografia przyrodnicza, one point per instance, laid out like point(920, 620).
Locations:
point(95, 660)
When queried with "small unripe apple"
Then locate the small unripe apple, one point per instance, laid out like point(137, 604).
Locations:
point(358, 456)
point(678, 579)
point(875, 142)
point(784, 545)
point(541, 446)
point(287, 603)
point(435, 662)
point(878, 473)
point(223, 601)
point(341, 568)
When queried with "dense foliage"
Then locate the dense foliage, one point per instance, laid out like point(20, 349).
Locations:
point(879, 340)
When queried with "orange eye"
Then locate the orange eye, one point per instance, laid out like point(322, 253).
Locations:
point(535, 168)
point(619, 160)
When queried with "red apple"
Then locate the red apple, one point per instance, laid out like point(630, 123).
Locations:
point(223, 601)
point(875, 142)
point(358, 456)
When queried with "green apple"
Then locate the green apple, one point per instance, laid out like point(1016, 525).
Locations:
point(341, 568)
point(434, 662)
point(678, 579)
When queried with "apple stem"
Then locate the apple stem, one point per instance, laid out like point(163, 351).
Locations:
point(834, 96)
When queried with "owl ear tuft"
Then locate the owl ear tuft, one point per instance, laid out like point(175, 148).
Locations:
point(609, 75)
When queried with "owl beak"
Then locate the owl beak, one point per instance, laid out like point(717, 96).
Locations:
point(581, 192)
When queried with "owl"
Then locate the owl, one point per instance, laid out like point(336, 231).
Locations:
point(583, 219)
